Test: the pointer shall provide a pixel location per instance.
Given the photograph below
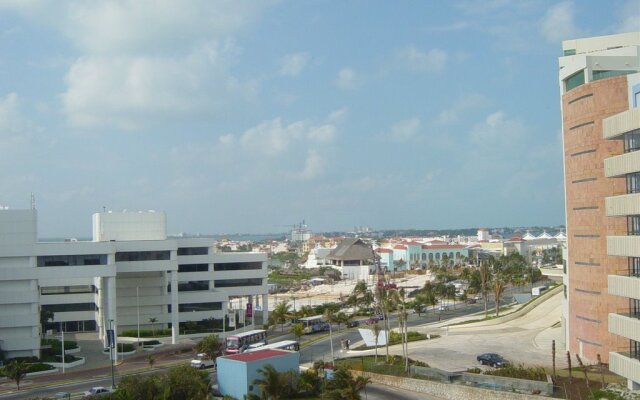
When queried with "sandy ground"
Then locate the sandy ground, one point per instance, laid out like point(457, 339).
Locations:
point(334, 293)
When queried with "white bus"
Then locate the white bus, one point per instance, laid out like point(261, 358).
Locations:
point(314, 324)
point(240, 342)
point(283, 345)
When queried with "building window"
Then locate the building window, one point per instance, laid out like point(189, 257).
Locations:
point(633, 182)
point(570, 52)
point(634, 308)
point(193, 267)
point(634, 266)
point(193, 307)
point(597, 75)
point(634, 349)
point(72, 260)
point(238, 282)
point(193, 251)
point(632, 141)
point(56, 308)
point(192, 286)
point(238, 266)
point(49, 290)
point(633, 225)
point(143, 255)
point(574, 81)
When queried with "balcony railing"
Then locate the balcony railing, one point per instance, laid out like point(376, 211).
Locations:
point(623, 364)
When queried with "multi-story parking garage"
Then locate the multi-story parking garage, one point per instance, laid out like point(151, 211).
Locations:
point(128, 275)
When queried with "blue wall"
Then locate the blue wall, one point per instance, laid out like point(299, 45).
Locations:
point(236, 377)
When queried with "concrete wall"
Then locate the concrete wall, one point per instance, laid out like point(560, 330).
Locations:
point(445, 390)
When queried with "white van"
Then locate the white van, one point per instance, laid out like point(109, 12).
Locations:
point(202, 362)
point(536, 291)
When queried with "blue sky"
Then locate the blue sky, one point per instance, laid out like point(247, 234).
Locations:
point(243, 116)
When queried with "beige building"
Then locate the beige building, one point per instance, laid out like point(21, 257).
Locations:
point(596, 79)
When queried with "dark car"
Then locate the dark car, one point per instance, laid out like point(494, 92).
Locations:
point(492, 359)
point(471, 301)
point(353, 324)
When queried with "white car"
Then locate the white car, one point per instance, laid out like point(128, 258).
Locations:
point(98, 390)
point(201, 362)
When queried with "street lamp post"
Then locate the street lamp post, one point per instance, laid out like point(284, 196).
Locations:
point(62, 332)
point(112, 342)
point(138, 313)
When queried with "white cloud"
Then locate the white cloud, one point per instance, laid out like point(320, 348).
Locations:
point(433, 60)
point(498, 131)
point(347, 79)
point(558, 23)
point(313, 166)
point(142, 61)
point(629, 17)
point(405, 130)
point(227, 139)
point(294, 64)
point(130, 92)
point(10, 120)
point(464, 103)
point(338, 116)
point(128, 27)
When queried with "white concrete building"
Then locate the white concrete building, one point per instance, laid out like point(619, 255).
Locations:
point(130, 272)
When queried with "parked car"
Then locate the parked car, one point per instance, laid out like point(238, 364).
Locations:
point(492, 359)
point(471, 301)
point(443, 307)
point(97, 390)
point(353, 324)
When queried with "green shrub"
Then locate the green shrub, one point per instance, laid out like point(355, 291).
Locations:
point(151, 342)
point(126, 347)
point(520, 372)
point(56, 345)
point(146, 333)
point(56, 358)
point(474, 370)
point(599, 394)
point(40, 367)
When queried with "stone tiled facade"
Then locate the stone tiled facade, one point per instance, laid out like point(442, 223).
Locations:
point(586, 187)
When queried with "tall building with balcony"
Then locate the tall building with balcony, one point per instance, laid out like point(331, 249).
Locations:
point(596, 79)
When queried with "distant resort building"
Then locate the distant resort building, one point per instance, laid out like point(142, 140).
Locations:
point(354, 259)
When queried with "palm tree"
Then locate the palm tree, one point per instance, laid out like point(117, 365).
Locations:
point(298, 331)
point(281, 313)
point(153, 321)
point(498, 288)
point(376, 333)
point(344, 387)
point(330, 316)
point(485, 279)
point(306, 311)
point(45, 316)
point(15, 370)
point(272, 385)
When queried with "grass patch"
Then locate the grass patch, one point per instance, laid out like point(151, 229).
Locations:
point(395, 366)
point(395, 338)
